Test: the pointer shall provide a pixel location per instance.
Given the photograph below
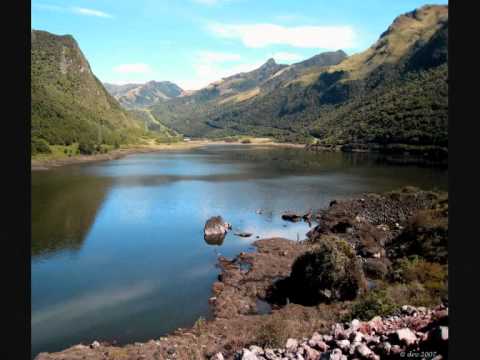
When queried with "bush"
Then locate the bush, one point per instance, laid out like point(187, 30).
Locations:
point(426, 235)
point(39, 146)
point(86, 147)
point(328, 273)
point(374, 303)
point(432, 276)
point(246, 141)
point(272, 334)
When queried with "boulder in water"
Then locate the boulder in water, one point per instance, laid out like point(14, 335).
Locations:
point(215, 230)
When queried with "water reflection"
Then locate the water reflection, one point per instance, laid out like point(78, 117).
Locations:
point(216, 240)
point(135, 228)
point(63, 210)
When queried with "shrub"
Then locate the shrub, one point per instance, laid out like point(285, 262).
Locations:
point(426, 235)
point(39, 146)
point(246, 141)
point(374, 303)
point(330, 272)
point(433, 277)
point(272, 334)
point(86, 147)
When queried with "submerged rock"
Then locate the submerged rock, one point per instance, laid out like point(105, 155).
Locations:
point(243, 234)
point(293, 217)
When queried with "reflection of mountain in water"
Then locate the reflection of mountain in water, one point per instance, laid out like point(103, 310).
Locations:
point(63, 210)
point(214, 239)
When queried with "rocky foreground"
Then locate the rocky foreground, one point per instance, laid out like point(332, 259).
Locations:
point(347, 284)
point(412, 332)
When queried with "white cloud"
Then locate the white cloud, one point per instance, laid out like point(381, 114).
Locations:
point(90, 12)
point(138, 68)
point(211, 66)
point(286, 56)
point(75, 10)
point(262, 35)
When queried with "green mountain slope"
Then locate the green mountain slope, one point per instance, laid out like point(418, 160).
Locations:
point(203, 112)
point(395, 91)
point(69, 104)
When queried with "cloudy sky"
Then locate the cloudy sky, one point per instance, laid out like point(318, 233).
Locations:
point(195, 42)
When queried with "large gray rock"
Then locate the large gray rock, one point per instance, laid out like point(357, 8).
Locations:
point(215, 230)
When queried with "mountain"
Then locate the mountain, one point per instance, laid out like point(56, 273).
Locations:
point(69, 104)
point(396, 91)
point(134, 96)
point(190, 114)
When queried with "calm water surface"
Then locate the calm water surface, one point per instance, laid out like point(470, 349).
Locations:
point(117, 247)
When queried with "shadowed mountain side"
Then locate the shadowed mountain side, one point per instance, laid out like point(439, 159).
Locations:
point(302, 105)
point(65, 211)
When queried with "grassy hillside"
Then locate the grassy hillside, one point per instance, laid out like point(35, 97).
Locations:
point(69, 104)
point(411, 111)
point(396, 90)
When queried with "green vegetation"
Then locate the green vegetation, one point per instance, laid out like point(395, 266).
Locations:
point(426, 235)
point(394, 95)
point(413, 281)
point(413, 110)
point(39, 146)
point(272, 333)
point(69, 104)
point(330, 272)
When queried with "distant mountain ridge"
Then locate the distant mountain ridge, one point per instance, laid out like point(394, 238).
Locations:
point(181, 113)
point(134, 96)
point(367, 97)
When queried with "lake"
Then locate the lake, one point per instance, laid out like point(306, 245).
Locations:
point(117, 247)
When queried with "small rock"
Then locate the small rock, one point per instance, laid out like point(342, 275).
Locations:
point(327, 338)
point(336, 354)
point(408, 310)
point(385, 348)
point(439, 335)
point(344, 345)
point(405, 336)
point(248, 355)
point(338, 332)
point(363, 351)
point(257, 350)
point(270, 355)
point(243, 234)
point(396, 349)
point(291, 345)
point(320, 345)
point(94, 345)
point(311, 354)
point(355, 324)
point(217, 356)
point(356, 337)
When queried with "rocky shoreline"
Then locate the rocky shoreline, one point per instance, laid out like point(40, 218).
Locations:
point(411, 332)
point(396, 241)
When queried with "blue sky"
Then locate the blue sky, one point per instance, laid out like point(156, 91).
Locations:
point(195, 42)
